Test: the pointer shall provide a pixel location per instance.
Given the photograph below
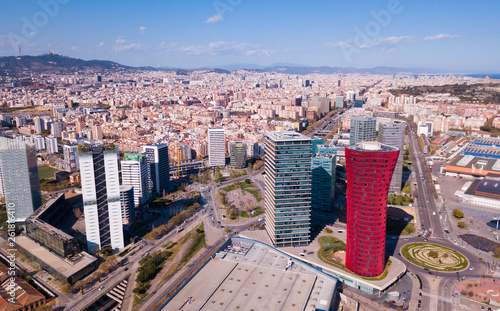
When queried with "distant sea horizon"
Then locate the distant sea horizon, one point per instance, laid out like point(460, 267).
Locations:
point(483, 75)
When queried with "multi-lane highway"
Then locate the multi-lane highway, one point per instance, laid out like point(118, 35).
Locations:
point(436, 292)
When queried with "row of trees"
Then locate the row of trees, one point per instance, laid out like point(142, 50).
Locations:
point(174, 221)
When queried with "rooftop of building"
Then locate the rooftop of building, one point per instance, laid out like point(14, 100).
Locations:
point(486, 141)
point(286, 136)
point(61, 265)
point(469, 161)
point(372, 146)
point(482, 149)
point(324, 156)
point(395, 270)
point(250, 275)
point(128, 156)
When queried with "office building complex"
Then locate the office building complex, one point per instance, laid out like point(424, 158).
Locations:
point(369, 167)
point(19, 181)
point(323, 167)
point(101, 197)
point(339, 101)
point(70, 153)
point(288, 188)
point(216, 147)
point(393, 134)
point(135, 173)
point(362, 129)
point(238, 155)
point(159, 166)
point(127, 204)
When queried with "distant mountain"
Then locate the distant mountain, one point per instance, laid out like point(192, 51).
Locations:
point(52, 63)
point(344, 70)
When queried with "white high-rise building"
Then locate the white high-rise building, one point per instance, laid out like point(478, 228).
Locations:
point(51, 144)
point(39, 142)
point(101, 197)
point(135, 173)
point(70, 153)
point(19, 181)
point(216, 147)
point(57, 129)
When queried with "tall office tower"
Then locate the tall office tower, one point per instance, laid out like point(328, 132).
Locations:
point(19, 181)
point(393, 134)
point(51, 144)
point(70, 153)
point(39, 125)
point(323, 167)
point(362, 129)
point(135, 173)
point(39, 142)
point(238, 154)
point(101, 197)
point(369, 167)
point(127, 204)
point(288, 188)
point(216, 147)
point(97, 132)
point(159, 166)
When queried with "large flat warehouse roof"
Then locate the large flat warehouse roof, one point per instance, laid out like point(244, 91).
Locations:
point(57, 263)
point(249, 275)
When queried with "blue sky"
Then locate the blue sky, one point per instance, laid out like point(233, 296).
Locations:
point(451, 35)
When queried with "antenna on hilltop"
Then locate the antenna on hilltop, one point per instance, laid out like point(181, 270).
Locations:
point(19, 46)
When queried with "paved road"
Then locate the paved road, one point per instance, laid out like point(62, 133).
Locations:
point(436, 287)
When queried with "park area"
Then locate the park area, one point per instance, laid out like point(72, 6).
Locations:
point(241, 200)
point(434, 257)
point(482, 290)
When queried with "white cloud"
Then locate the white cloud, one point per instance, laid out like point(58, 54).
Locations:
point(441, 37)
point(225, 48)
point(101, 44)
point(75, 48)
point(122, 45)
point(142, 30)
point(214, 19)
point(387, 42)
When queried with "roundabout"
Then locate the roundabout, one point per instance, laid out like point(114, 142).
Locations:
point(434, 257)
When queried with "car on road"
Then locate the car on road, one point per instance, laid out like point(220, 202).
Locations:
point(471, 268)
point(406, 239)
point(425, 240)
point(101, 287)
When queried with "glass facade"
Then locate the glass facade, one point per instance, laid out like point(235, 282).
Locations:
point(393, 134)
point(369, 168)
point(362, 129)
point(288, 188)
point(323, 182)
point(238, 153)
point(19, 177)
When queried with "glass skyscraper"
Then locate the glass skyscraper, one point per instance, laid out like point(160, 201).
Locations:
point(323, 167)
point(288, 188)
point(393, 134)
point(19, 181)
point(362, 129)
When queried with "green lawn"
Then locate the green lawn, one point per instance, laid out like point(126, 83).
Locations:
point(244, 214)
point(46, 172)
point(461, 263)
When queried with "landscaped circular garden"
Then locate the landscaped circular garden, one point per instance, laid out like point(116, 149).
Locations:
point(434, 257)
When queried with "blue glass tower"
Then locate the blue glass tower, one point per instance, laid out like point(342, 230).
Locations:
point(288, 188)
